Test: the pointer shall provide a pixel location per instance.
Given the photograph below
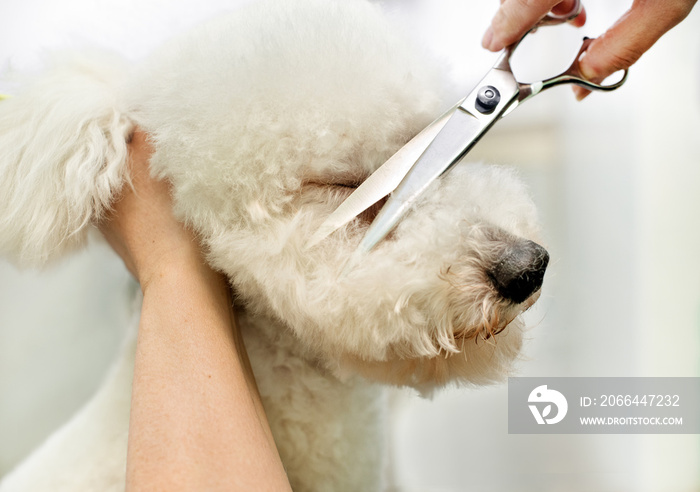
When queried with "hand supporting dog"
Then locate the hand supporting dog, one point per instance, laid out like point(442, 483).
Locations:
point(197, 422)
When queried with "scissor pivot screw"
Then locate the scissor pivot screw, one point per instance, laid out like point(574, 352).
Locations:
point(487, 99)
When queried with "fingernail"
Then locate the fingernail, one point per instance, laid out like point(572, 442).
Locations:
point(487, 39)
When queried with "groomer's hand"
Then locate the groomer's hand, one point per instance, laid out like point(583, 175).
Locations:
point(197, 420)
point(515, 17)
point(618, 48)
point(141, 227)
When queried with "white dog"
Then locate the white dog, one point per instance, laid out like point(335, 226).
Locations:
point(264, 122)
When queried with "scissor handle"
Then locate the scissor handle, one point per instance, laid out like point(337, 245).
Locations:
point(573, 75)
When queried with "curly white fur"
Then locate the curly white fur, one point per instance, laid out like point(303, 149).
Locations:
point(262, 121)
point(62, 159)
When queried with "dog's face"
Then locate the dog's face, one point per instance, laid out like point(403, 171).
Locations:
point(257, 170)
point(431, 303)
point(435, 301)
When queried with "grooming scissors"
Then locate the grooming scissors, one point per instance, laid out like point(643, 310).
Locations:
point(443, 143)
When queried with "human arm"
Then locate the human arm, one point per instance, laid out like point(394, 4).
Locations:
point(618, 48)
point(197, 421)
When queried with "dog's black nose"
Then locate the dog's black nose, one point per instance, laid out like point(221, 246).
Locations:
point(520, 271)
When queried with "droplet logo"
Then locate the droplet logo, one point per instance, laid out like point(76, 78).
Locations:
point(543, 395)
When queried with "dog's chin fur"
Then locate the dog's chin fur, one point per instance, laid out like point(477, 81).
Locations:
point(263, 122)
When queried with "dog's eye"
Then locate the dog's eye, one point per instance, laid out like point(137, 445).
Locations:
point(333, 183)
point(345, 180)
point(345, 185)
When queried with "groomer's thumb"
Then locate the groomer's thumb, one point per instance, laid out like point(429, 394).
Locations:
point(631, 36)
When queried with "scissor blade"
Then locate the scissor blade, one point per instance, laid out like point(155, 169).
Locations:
point(458, 136)
point(462, 131)
point(380, 183)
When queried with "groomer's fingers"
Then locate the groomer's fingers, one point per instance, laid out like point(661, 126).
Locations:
point(515, 17)
point(631, 36)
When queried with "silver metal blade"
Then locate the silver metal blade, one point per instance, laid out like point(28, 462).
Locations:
point(380, 183)
point(458, 136)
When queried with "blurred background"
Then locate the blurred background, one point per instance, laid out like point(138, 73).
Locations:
point(617, 182)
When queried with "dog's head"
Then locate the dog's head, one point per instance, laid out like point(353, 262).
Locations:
point(265, 122)
point(262, 151)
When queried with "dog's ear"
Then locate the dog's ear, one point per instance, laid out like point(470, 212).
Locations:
point(62, 156)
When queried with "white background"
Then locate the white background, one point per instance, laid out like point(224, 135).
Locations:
point(617, 180)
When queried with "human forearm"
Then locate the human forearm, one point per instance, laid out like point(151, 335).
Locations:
point(196, 421)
